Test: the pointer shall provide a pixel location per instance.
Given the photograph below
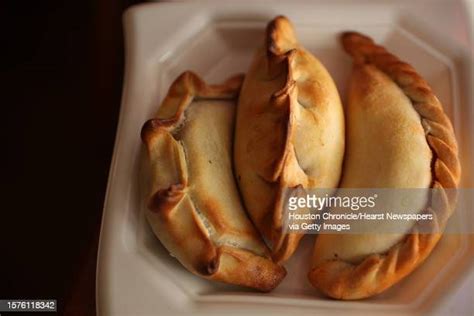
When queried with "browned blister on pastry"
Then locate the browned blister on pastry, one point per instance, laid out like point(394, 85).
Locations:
point(289, 132)
point(194, 207)
point(399, 137)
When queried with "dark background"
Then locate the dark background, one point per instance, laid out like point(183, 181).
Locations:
point(61, 73)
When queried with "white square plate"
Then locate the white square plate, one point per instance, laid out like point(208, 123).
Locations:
point(136, 275)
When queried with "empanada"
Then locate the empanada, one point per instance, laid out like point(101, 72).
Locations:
point(195, 208)
point(398, 136)
point(289, 132)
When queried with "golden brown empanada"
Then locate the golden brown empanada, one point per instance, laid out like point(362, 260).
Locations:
point(195, 208)
point(398, 136)
point(289, 132)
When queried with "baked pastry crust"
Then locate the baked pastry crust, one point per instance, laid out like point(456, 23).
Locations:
point(194, 207)
point(343, 279)
point(289, 132)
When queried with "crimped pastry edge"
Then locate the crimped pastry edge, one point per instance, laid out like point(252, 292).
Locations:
point(279, 33)
point(343, 280)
